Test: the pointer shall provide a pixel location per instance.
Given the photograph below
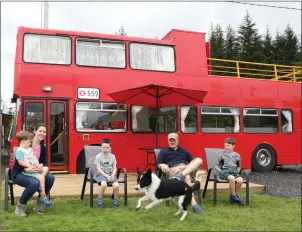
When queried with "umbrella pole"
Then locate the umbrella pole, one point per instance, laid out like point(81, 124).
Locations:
point(157, 101)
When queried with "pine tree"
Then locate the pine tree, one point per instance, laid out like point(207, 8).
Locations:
point(217, 42)
point(279, 46)
point(250, 48)
point(121, 31)
point(217, 47)
point(268, 48)
point(231, 44)
point(291, 45)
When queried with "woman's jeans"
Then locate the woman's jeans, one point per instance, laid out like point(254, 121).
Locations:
point(32, 185)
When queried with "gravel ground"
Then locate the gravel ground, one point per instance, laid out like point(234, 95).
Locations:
point(286, 182)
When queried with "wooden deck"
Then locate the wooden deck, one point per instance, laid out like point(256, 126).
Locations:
point(67, 185)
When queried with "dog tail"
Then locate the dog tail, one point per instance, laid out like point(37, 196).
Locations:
point(194, 187)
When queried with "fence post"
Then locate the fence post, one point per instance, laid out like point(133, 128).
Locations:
point(238, 69)
point(294, 71)
point(275, 72)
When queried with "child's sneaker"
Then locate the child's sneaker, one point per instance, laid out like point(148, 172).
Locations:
point(179, 177)
point(240, 201)
point(100, 203)
point(197, 209)
point(236, 199)
point(114, 203)
point(44, 200)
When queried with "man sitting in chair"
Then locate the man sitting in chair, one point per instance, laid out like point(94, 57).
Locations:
point(178, 163)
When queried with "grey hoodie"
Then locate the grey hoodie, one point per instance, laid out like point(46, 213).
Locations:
point(230, 161)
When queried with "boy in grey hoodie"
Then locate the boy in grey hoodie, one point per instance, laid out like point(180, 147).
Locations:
point(228, 166)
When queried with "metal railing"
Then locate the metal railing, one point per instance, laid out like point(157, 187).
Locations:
point(234, 68)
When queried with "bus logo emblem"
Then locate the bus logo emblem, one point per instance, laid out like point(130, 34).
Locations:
point(82, 93)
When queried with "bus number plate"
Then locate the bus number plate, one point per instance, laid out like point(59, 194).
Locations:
point(88, 93)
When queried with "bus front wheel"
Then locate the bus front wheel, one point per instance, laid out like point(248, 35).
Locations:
point(264, 158)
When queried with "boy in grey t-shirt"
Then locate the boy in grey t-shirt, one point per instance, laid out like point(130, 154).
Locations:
point(106, 166)
point(228, 166)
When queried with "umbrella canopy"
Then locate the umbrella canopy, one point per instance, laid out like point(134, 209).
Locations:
point(158, 96)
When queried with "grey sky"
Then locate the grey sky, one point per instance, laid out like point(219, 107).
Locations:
point(140, 19)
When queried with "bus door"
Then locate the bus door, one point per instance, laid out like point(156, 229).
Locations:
point(57, 134)
point(54, 114)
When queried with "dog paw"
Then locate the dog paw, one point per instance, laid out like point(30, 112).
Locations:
point(137, 208)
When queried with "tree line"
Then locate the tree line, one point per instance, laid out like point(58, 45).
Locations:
point(247, 44)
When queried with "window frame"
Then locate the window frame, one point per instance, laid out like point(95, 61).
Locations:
point(31, 33)
point(90, 38)
point(217, 114)
point(98, 131)
point(260, 115)
point(147, 70)
point(145, 132)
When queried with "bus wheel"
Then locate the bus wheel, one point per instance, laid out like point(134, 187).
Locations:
point(264, 158)
point(81, 163)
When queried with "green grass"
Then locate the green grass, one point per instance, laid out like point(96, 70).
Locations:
point(265, 213)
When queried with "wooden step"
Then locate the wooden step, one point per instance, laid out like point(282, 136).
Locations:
point(70, 185)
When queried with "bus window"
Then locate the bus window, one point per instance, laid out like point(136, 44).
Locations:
point(256, 120)
point(101, 117)
point(287, 121)
point(100, 53)
point(152, 57)
point(188, 117)
point(220, 119)
point(34, 113)
point(47, 49)
point(146, 119)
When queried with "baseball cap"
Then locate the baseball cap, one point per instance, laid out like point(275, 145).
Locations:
point(173, 136)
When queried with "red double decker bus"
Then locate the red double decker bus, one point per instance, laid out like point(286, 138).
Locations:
point(61, 78)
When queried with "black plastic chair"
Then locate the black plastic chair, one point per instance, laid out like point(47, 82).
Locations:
point(211, 159)
point(90, 169)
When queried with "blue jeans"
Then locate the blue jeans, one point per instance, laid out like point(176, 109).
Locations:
point(31, 185)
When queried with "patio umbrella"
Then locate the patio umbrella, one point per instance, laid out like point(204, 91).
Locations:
point(158, 96)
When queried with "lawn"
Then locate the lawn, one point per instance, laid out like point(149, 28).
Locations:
point(265, 213)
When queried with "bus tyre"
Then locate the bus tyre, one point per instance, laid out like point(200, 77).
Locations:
point(81, 163)
point(264, 158)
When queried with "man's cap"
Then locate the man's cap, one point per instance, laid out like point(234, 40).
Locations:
point(173, 136)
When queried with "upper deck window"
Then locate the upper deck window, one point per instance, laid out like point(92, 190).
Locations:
point(100, 53)
point(152, 57)
point(47, 49)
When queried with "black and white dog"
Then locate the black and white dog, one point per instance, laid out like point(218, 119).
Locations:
point(159, 190)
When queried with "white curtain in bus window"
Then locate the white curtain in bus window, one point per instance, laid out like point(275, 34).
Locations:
point(257, 120)
point(220, 119)
point(188, 119)
point(47, 49)
point(287, 121)
point(152, 57)
point(100, 53)
point(134, 111)
point(101, 116)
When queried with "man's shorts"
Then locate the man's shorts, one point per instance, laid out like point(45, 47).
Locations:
point(100, 178)
point(225, 173)
point(179, 168)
